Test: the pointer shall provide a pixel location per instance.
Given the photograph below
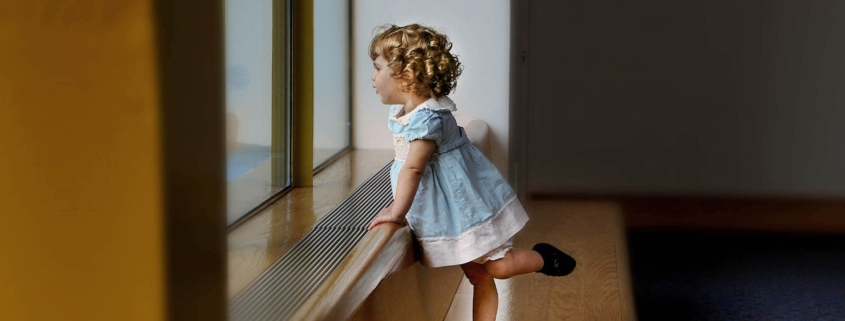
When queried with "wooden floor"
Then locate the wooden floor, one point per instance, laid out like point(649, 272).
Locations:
point(593, 232)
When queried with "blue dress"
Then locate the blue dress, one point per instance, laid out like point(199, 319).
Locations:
point(463, 208)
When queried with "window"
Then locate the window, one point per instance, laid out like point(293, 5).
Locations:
point(258, 97)
point(257, 104)
point(332, 73)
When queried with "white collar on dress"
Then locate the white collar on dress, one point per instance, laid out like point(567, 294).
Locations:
point(433, 104)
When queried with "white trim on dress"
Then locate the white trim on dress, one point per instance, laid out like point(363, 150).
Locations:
point(432, 103)
point(476, 242)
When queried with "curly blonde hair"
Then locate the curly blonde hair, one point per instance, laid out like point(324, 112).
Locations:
point(421, 56)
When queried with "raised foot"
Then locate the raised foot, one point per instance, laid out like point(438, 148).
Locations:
point(555, 262)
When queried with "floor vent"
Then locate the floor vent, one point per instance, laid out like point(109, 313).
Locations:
point(278, 292)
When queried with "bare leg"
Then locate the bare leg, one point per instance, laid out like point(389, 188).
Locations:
point(485, 298)
point(516, 262)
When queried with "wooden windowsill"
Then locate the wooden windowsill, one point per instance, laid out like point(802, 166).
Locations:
point(260, 241)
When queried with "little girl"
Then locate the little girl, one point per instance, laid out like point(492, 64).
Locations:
point(458, 206)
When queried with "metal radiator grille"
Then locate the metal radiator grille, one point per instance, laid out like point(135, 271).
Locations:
point(279, 291)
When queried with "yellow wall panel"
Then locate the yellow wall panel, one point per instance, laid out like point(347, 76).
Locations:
point(80, 188)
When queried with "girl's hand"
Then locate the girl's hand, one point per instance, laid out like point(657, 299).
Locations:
point(388, 216)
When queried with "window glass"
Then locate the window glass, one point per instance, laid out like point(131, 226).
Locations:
point(331, 78)
point(256, 109)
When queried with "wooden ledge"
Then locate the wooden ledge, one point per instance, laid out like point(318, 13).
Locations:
point(383, 250)
point(264, 238)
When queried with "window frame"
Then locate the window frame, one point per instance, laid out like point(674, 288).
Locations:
point(281, 104)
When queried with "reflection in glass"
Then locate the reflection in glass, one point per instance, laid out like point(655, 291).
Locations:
point(252, 110)
point(331, 78)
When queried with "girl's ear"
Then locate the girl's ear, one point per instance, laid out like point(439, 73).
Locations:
point(407, 75)
point(406, 80)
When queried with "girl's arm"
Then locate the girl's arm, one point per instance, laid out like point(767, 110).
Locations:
point(407, 183)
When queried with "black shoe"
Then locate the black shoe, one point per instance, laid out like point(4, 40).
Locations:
point(555, 262)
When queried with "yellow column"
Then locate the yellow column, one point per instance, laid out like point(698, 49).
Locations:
point(302, 106)
point(81, 235)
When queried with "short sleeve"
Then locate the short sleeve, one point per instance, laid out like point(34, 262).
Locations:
point(425, 124)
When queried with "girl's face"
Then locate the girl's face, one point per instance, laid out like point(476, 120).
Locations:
point(387, 87)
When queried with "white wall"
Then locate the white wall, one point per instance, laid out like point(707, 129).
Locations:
point(480, 33)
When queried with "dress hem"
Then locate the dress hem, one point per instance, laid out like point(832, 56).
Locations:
point(478, 241)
